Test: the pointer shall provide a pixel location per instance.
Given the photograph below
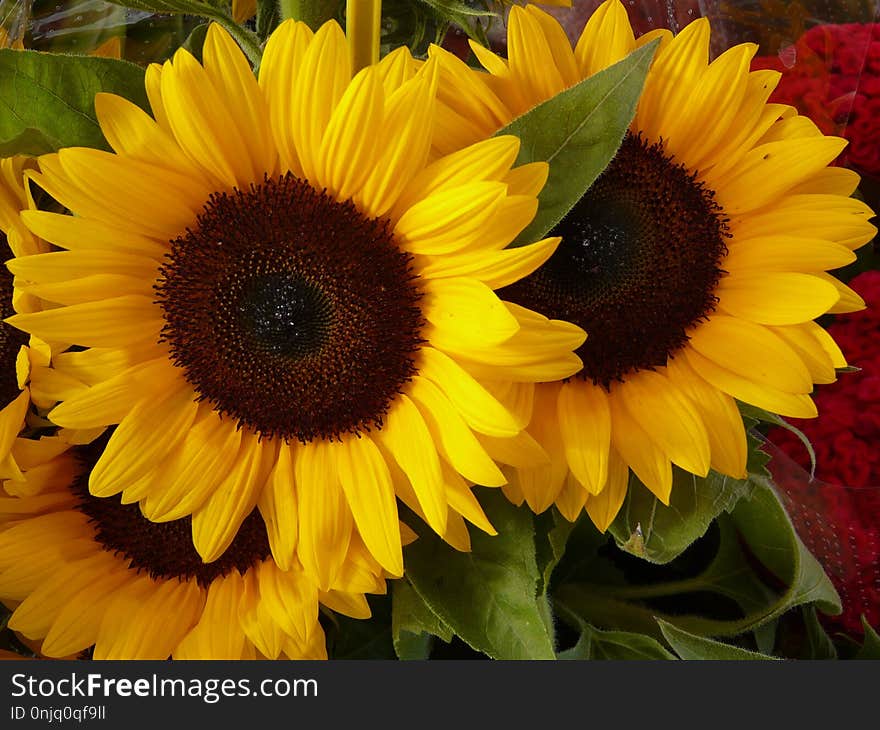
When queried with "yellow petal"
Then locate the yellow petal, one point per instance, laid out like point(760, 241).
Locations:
point(720, 416)
point(348, 150)
point(407, 437)
point(366, 481)
point(404, 141)
point(776, 298)
point(541, 485)
point(465, 312)
point(753, 351)
point(451, 219)
point(772, 169)
point(107, 323)
point(231, 75)
point(482, 412)
point(454, 439)
point(278, 507)
point(585, 426)
point(142, 439)
point(605, 40)
point(215, 523)
point(495, 269)
point(282, 58)
point(672, 422)
point(217, 635)
point(325, 521)
point(794, 405)
point(603, 507)
point(291, 598)
point(637, 450)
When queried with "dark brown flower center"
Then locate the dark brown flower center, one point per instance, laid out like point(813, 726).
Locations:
point(638, 263)
point(11, 339)
point(292, 312)
point(164, 550)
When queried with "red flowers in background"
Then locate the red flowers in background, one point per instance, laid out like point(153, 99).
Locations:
point(838, 513)
point(832, 75)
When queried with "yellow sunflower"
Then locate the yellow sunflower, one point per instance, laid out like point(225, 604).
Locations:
point(81, 572)
point(696, 262)
point(19, 355)
point(281, 303)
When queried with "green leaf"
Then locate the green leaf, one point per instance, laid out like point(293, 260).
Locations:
point(647, 528)
point(763, 524)
point(487, 596)
point(762, 416)
point(616, 645)
point(195, 41)
point(551, 536)
point(765, 636)
point(413, 624)
point(691, 646)
point(871, 646)
point(760, 564)
point(350, 638)
point(818, 644)
point(578, 132)
point(47, 100)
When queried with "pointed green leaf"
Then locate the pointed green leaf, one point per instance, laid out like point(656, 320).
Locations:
point(649, 529)
point(762, 416)
point(818, 644)
point(47, 100)
point(551, 535)
point(761, 565)
point(195, 41)
point(487, 596)
point(413, 624)
point(578, 132)
point(871, 646)
point(615, 645)
point(691, 646)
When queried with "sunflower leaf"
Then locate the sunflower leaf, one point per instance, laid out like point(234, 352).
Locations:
point(413, 624)
point(647, 528)
point(871, 647)
point(762, 416)
point(578, 132)
point(594, 643)
point(691, 646)
point(487, 596)
point(818, 644)
point(760, 565)
point(551, 535)
point(47, 100)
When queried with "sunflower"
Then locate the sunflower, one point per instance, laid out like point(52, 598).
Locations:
point(281, 303)
point(19, 355)
point(82, 572)
point(696, 262)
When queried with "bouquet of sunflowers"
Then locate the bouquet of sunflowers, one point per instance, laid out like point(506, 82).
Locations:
point(410, 329)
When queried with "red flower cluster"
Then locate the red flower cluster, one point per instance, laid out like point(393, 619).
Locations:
point(832, 75)
point(837, 513)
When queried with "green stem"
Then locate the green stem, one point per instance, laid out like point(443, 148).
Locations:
point(363, 26)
